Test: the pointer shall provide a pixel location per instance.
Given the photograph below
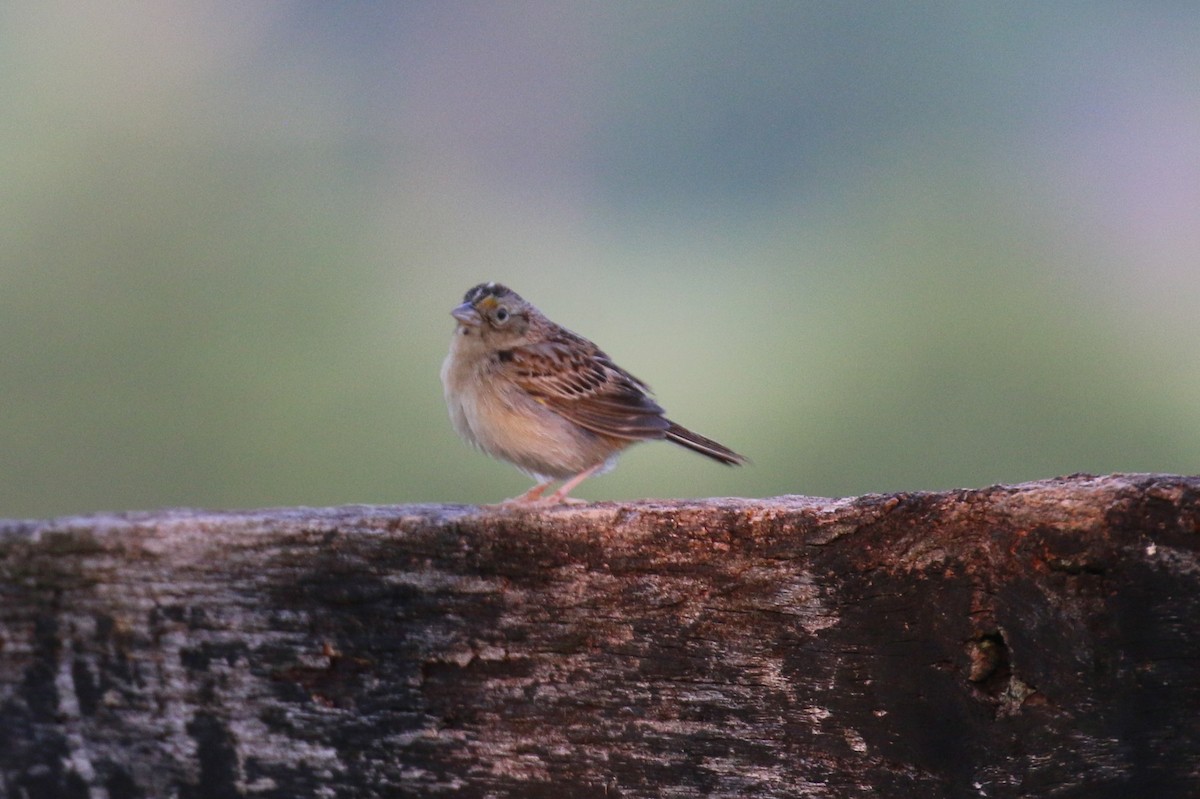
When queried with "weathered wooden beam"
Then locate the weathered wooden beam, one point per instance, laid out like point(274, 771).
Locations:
point(1039, 640)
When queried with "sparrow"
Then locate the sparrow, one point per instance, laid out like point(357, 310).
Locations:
point(550, 402)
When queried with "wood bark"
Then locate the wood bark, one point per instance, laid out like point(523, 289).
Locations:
point(1037, 640)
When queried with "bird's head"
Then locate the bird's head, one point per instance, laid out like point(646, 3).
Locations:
point(493, 311)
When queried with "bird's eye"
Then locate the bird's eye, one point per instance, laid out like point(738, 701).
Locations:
point(502, 315)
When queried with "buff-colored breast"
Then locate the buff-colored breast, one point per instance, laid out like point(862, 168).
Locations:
point(496, 415)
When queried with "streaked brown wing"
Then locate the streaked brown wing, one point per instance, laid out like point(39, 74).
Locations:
point(574, 378)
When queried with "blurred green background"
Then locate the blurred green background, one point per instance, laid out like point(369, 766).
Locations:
point(873, 246)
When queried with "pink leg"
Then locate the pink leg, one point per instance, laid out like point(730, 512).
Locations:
point(561, 494)
point(532, 495)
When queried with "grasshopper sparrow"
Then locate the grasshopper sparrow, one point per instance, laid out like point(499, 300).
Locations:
point(528, 391)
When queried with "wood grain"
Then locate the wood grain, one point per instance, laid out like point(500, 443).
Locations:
point(1038, 640)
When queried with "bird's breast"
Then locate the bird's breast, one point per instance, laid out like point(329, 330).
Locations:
point(498, 416)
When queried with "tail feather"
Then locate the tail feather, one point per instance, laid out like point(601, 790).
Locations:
point(705, 446)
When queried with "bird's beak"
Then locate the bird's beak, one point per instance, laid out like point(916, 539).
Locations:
point(467, 315)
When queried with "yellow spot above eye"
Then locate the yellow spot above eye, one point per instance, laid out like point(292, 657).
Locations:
point(487, 303)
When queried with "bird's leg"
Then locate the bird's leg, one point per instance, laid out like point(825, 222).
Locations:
point(532, 495)
point(561, 494)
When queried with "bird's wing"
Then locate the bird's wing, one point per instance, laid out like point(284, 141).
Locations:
point(572, 377)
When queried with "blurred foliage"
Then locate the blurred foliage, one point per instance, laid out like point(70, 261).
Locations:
point(874, 248)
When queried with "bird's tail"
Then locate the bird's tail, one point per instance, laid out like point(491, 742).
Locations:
point(705, 446)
